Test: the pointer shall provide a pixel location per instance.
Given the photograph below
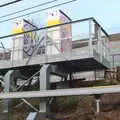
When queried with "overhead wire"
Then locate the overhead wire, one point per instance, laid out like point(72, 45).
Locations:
point(48, 27)
point(37, 11)
point(42, 4)
point(9, 3)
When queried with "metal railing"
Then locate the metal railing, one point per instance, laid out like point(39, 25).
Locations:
point(115, 60)
point(58, 39)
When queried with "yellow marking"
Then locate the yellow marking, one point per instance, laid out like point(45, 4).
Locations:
point(109, 86)
point(32, 35)
point(17, 30)
point(53, 22)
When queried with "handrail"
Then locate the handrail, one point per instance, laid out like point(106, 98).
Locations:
point(63, 92)
point(43, 28)
point(100, 27)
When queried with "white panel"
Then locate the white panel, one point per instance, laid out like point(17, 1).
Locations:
point(60, 34)
point(21, 40)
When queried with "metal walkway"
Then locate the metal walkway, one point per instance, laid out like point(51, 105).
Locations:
point(94, 48)
point(74, 60)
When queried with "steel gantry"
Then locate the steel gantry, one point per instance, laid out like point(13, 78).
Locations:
point(37, 69)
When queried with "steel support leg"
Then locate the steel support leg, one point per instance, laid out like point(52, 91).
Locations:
point(9, 83)
point(44, 85)
point(98, 106)
point(8, 80)
point(45, 73)
point(97, 100)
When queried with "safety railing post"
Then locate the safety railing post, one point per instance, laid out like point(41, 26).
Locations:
point(90, 38)
point(100, 44)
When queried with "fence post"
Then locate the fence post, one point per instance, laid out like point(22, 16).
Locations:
point(90, 38)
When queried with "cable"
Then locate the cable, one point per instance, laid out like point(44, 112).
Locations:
point(28, 8)
point(34, 12)
point(6, 4)
point(48, 27)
